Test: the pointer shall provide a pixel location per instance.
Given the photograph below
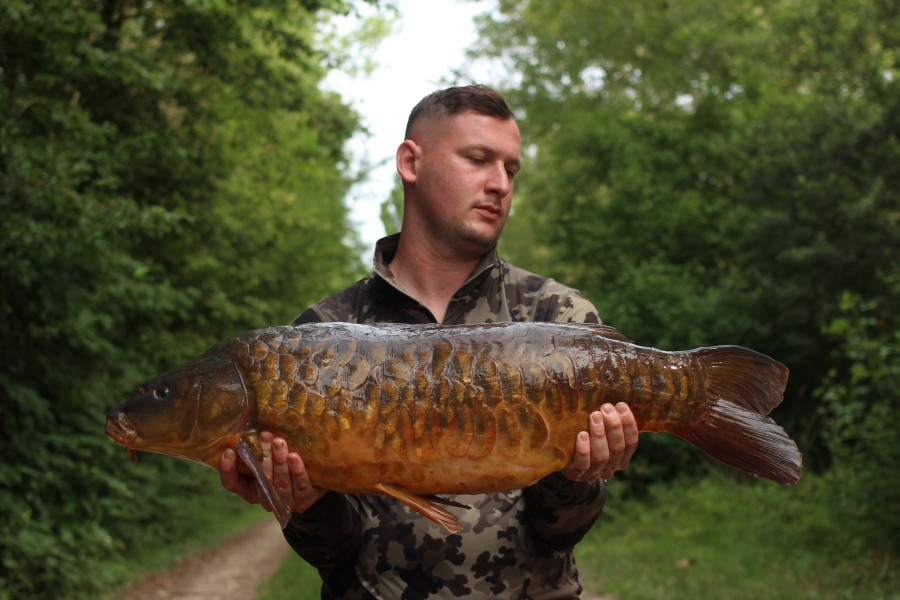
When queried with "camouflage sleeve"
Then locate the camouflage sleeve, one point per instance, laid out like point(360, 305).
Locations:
point(307, 316)
point(329, 533)
point(561, 304)
point(575, 308)
point(562, 511)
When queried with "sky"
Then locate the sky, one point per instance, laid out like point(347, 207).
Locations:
point(429, 40)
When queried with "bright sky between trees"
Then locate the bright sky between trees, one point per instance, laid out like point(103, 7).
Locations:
point(428, 42)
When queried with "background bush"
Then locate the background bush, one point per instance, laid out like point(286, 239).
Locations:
point(170, 174)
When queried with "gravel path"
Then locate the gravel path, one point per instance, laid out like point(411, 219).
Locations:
point(231, 571)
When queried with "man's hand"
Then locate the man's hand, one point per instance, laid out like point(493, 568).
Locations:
point(606, 447)
point(285, 470)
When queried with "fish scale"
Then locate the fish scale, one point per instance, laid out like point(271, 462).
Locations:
point(416, 410)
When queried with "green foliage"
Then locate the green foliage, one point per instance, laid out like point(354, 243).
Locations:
point(392, 209)
point(170, 174)
point(862, 408)
point(711, 172)
point(716, 540)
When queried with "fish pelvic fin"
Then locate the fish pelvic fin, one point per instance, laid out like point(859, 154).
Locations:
point(742, 388)
point(279, 507)
point(424, 506)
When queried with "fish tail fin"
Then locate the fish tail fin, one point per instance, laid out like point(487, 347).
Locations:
point(742, 387)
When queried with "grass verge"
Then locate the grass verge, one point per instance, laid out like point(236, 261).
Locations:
point(295, 579)
point(719, 540)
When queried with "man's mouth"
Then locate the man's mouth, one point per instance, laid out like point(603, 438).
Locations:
point(489, 210)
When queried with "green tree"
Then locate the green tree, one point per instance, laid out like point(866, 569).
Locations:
point(392, 209)
point(860, 402)
point(712, 172)
point(170, 174)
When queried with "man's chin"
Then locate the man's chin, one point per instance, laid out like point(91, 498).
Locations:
point(486, 234)
point(477, 251)
point(469, 242)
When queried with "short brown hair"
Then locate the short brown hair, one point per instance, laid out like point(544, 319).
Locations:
point(445, 103)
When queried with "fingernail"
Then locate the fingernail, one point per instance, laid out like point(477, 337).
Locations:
point(623, 408)
point(608, 409)
point(229, 454)
point(596, 418)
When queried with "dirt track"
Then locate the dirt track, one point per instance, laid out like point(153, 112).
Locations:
point(230, 571)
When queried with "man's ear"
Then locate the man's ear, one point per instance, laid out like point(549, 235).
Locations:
point(408, 161)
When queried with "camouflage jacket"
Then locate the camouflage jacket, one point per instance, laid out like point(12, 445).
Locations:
point(515, 544)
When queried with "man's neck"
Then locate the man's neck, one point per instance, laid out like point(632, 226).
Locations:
point(429, 277)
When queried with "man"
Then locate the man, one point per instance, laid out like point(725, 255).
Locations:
point(457, 164)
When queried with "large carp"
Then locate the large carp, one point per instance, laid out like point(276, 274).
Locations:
point(418, 410)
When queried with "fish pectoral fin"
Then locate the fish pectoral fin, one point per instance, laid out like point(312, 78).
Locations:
point(280, 508)
point(447, 501)
point(425, 506)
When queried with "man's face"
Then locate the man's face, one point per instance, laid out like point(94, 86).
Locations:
point(464, 180)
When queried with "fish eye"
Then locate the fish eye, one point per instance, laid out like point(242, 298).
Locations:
point(161, 393)
point(141, 391)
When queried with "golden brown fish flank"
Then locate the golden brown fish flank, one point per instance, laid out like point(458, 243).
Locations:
point(418, 410)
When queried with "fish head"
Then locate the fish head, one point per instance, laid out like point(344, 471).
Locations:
point(192, 412)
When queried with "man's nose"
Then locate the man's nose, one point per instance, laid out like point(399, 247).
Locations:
point(498, 181)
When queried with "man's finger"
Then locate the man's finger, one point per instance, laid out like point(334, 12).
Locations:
point(232, 480)
point(599, 443)
point(304, 493)
point(228, 474)
point(265, 443)
point(281, 476)
point(581, 459)
point(632, 433)
point(615, 440)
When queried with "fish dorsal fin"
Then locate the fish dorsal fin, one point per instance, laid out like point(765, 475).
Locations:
point(610, 332)
point(423, 506)
point(280, 508)
point(598, 329)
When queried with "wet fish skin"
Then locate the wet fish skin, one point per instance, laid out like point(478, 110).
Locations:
point(414, 410)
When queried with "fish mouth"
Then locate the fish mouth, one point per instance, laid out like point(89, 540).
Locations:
point(119, 428)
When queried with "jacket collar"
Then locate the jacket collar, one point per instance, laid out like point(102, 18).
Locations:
point(386, 248)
